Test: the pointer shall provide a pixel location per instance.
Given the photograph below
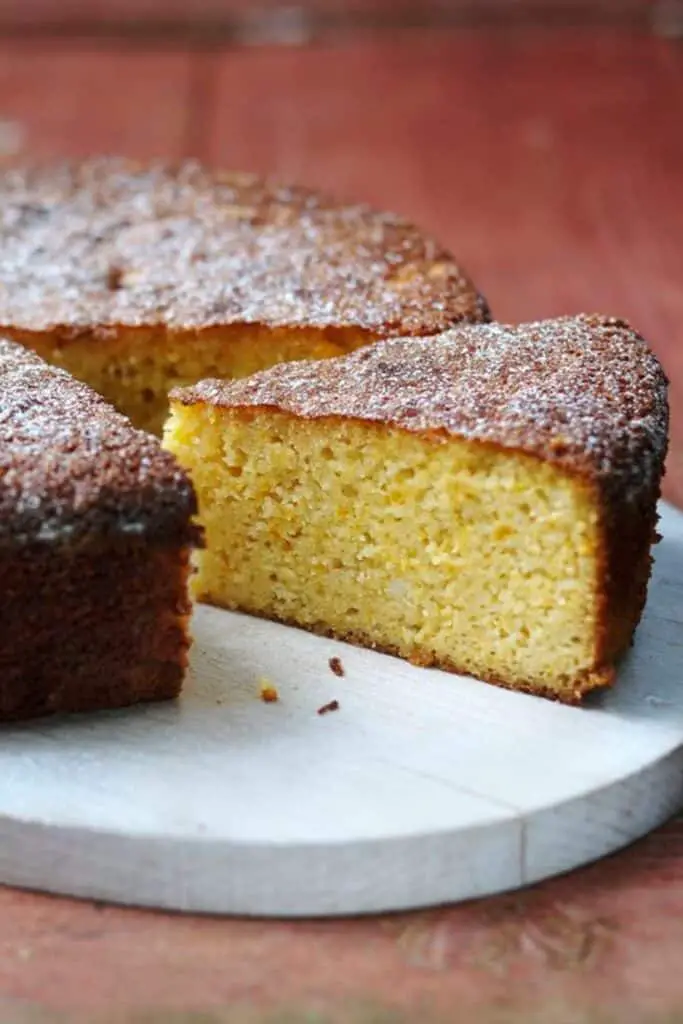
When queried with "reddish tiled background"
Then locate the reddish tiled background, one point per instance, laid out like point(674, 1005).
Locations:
point(551, 160)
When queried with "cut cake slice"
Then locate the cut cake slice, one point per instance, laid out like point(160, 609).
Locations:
point(484, 501)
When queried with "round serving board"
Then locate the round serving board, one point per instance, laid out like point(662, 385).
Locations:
point(421, 788)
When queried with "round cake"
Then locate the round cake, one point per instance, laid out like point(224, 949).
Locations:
point(138, 279)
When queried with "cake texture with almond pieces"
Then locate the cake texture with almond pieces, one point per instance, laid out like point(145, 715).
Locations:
point(140, 278)
point(484, 501)
point(96, 532)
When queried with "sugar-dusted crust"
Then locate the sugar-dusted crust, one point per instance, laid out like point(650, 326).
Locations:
point(108, 243)
point(582, 392)
point(96, 530)
point(73, 468)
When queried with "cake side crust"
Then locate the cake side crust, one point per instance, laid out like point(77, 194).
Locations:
point(97, 627)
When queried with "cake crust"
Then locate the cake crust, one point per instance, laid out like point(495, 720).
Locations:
point(72, 467)
point(108, 244)
point(96, 530)
point(584, 393)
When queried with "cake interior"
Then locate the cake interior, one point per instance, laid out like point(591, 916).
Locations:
point(135, 368)
point(445, 551)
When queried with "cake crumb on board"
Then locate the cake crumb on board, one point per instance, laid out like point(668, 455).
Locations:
point(268, 692)
point(336, 666)
point(332, 706)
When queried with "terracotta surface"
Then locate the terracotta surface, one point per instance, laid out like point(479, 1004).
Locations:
point(74, 100)
point(606, 938)
point(39, 13)
point(553, 164)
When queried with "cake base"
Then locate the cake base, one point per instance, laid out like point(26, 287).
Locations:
point(420, 788)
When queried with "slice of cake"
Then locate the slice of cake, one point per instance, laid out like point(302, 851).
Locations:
point(136, 279)
point(95, 538)
point(484, 502)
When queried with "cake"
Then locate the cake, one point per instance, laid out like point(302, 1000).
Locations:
point(136, 279)
point(96, 530)
point(484, 501)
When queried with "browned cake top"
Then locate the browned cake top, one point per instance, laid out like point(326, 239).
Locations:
point(110, 243)
point(584, 392)
point(73, 467)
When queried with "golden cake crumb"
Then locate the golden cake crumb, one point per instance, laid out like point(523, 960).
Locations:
point(268, 692)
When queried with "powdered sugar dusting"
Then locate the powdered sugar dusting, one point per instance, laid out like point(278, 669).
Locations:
point(109, 243)
point(70, 465)
point(584, 392)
